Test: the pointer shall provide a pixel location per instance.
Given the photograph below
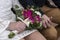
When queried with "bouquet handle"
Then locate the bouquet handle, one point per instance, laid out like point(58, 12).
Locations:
point(25, 21)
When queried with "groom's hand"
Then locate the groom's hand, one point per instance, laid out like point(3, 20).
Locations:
point(19, 26)
point(47, 22)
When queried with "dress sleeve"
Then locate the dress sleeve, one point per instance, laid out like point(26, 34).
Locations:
point(3, 25)
point(16, 2)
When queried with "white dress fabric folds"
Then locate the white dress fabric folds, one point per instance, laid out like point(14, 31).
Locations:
point(7, 16)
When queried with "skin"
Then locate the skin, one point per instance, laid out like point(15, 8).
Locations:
point(17, 26)
point(33, 36)
point(47, 22)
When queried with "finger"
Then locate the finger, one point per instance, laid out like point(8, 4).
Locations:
point(53, 24)
point(43, 23)
point(49, 21)
point(51, 17)
point(48, 24)
point(20, 29)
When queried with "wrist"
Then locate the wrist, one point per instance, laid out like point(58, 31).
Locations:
point(11, 26)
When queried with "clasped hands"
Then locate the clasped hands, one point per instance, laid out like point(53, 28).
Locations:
point(20, 26)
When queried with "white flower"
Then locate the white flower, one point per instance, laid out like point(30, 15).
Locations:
point(26, 21)
point(15, 31)
point(32, 9)
point(38, 13)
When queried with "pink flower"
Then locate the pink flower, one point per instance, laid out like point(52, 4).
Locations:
point(30, 15)
point(32, 19)
point(27, 13)
point(37, 18)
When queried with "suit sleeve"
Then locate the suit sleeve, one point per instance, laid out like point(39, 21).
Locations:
point(25, 3)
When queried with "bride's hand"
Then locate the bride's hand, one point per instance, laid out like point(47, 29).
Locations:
point(19, 26)
point(47, 22)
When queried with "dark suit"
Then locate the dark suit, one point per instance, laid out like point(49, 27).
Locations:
point(57, 2)
point(38, 3)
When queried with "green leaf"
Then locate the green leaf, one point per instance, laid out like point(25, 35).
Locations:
point(18, 12)
point(11, 35)
point(34, 26)
point(16, 6)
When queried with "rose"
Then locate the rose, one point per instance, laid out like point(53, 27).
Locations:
point(27, 13)
point(37, 18)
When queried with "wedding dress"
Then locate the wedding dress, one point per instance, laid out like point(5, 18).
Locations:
point(7, 16)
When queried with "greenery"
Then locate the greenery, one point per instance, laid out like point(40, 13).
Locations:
point(34, 26)
point(11, 35)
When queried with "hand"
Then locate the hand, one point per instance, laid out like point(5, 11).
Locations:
point(19, 26)
point(47, 22)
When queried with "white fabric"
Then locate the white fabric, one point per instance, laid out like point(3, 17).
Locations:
point(7, 16)
point(52, 3)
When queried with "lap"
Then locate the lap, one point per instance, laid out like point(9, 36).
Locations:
point(50, 33)
point(35, 36)
point(54, 12)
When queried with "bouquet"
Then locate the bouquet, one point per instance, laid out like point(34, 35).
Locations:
point(30, 16)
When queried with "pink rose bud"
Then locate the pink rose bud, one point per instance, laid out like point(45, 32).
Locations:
point(37, 18)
